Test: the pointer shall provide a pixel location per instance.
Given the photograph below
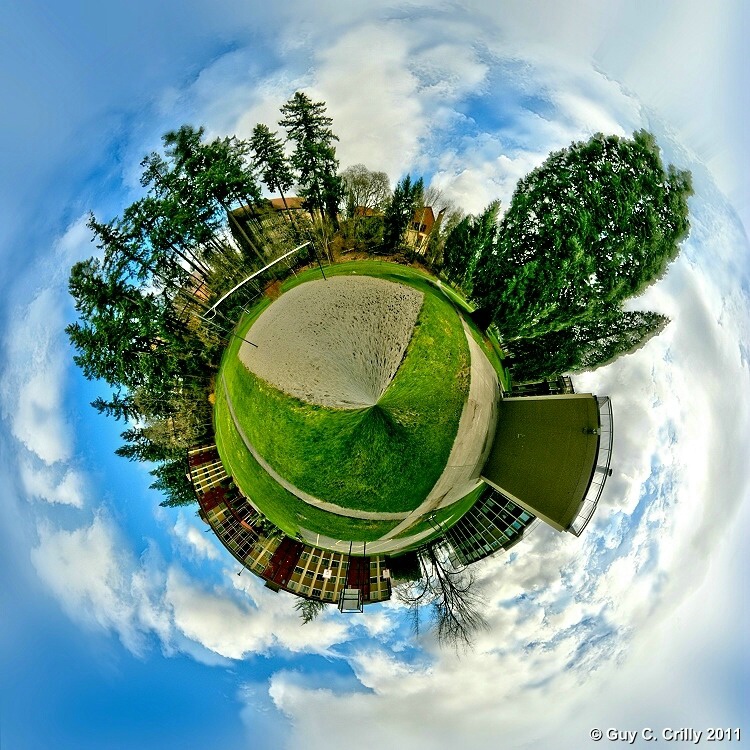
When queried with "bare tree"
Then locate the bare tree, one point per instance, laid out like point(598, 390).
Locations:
point(447, 216)
point(451, 596)
point(365, 189)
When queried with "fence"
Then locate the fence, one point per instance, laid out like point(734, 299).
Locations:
point(602, 471)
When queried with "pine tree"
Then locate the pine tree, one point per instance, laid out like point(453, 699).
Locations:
point(466, 242)
point(271, 161)
point(400, 211)
point(593, 225)
point(314, 155)
point(585, 345)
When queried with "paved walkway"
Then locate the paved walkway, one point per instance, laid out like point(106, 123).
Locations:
point(471, 446)
point(473, 441)
point(301, 494)
point(379, 546)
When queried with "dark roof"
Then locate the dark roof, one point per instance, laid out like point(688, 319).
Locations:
point(544, 453)
point(425, 216)
point(293, 203)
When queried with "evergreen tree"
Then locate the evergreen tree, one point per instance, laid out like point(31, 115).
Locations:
point(465, 243)
point(593, 225)
point(314, 155)
point(271, 160)
point(172, 479)
point(400, 211)
point(584, 345)
point(309, 609)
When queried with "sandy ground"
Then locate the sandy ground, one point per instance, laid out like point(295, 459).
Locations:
point(339, 343)
point(335, 343)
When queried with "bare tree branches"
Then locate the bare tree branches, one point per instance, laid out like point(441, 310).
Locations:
point(450, 594)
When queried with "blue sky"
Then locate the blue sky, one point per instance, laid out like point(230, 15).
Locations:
point(125, 625)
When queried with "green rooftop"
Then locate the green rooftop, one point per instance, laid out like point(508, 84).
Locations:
point(544, 454)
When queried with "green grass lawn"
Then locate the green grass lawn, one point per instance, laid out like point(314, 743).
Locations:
point(445, 517)
point(283, 508)
point(384, 458)
point(379, 268)
point(456, 297)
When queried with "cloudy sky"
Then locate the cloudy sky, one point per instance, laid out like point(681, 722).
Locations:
point(125, 625)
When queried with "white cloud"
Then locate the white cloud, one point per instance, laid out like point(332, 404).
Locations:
point(66, 488)
point(99, 583)
point(373, 98)
point(33, 385)
point(257, 621)
point(202, 544)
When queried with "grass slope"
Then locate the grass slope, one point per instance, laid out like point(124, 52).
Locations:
point(385, 458)
point(283, 508)
point(445, 517)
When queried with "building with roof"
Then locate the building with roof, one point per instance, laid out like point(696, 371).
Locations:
point(551, 456)
point(281, 561)
point(420, 227)
point(549, 461)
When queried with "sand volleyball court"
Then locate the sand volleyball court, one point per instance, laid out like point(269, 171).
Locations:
point(336, 343)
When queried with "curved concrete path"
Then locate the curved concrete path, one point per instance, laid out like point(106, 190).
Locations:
point(301, 494)
point(379, 546)
point(473, 441)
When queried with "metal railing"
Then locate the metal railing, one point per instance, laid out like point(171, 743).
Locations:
point(602, 471)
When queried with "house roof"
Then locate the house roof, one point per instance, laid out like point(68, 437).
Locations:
point(425, 215)
point(293, 203)
point(365, 211)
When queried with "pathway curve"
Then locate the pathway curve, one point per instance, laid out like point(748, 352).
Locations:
point(473, 441)
point(301, 494)
point(376, 547)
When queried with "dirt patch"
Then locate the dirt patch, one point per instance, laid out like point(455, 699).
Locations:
point(273, 289)
point(335, 343)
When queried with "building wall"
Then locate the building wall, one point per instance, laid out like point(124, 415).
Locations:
point(544, 454)
point(281, 561)
point(492, 524)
